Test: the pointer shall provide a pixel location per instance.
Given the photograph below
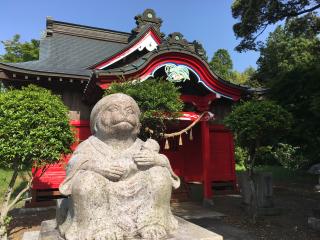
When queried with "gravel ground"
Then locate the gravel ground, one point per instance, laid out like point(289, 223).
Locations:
point(295, 203)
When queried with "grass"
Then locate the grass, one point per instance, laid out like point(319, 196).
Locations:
point(281, 174)
point(5, 176)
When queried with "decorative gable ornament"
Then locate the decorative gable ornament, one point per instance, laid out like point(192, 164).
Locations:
point(147, 18)
point(177, 38)
point(149, 43)
point(176, 73)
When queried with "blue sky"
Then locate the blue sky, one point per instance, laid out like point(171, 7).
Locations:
point(208, 21)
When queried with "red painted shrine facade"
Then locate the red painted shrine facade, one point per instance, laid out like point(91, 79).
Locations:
point(79, 62)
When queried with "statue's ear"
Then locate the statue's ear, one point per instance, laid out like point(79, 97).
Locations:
point(95, 127)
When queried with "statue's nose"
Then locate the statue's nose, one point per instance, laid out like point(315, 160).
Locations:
point(123, 112)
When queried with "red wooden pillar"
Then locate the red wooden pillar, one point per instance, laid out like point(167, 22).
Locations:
point(205, 147)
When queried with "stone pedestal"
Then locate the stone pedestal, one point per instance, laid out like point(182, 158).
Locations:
point(186, 231)
point(264, 192)
point(314, 223)
point(263, 186)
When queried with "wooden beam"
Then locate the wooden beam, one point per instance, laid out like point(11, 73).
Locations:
point(3, 75)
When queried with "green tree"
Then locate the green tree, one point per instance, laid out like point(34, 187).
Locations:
point(257, 124)
point(20, 52)
point(158, 100)
point(254, 17)
point(287, 49)
point(221, 64)
point(289, 65)
point(247, 77)
point(243, 77)
point(298, 91)
point(34, 132)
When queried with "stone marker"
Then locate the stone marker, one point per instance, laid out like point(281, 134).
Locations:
point(118, 186)
point(264, 192)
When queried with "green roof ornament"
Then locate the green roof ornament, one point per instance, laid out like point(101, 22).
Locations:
point(176, 73)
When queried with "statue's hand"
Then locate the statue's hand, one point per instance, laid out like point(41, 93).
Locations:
point(114, 172)
point(148, 158)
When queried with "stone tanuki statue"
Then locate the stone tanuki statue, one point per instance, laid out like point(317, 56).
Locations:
point(119, 186)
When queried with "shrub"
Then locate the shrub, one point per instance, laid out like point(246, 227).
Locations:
point(265, 156)
point(289, 157)
point(34, 132)
point(240, 155)
point(257, 124)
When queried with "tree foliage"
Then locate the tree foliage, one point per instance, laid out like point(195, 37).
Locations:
point(243, 77)
point(287, 50)
point(20, 52)
point(298, 91)
point(34, 128)
point(258, 123)
point(34, 131)
point(289, 65)
point(221, 64)
point(287, 156)
point(254, 16)
point(158, 100)
point(247, 77)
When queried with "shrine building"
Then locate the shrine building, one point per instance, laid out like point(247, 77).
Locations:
point(79, 62)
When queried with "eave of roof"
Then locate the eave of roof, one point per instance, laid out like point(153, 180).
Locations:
point(14, 68)
point(66, 55)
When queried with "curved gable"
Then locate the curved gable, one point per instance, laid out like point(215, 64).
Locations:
point(193, 63)
point(149, 40)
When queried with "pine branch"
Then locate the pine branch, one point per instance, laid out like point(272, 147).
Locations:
point(304, 11)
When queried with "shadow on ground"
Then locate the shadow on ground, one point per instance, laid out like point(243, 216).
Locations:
point(210, 219)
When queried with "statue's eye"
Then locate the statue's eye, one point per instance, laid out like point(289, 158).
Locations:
point(129, 110)
point(113, 108)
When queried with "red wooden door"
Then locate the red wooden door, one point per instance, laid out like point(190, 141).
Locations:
point(222, 165)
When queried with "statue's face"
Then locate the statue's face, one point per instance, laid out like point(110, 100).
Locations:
point(120, 116)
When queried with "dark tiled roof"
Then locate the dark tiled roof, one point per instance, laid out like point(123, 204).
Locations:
point(69, 54)
point(72, 49)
